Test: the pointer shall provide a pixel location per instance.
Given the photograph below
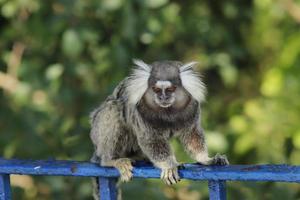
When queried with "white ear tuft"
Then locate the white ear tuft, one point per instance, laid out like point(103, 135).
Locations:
point(188, 66)
point(192, 82)
point(138, 81)
point(141, 64)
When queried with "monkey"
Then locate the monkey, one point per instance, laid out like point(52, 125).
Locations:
point(155, 103)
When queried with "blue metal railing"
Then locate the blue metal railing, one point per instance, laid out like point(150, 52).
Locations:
point(215, 175)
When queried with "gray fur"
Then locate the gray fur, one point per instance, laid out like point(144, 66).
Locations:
point(122, 130)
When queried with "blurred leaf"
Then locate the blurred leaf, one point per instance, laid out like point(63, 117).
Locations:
point(296, 139)
point(10, 149)
point(253, 109)
point(238, 123)
point(227, 71)
point(155, 3)
point(71, 43)
point(54, 71)
point(243, 144)
point(272, 83)
point(112, 4)
point(22, 93)
point(9, 9)
point(291, 52)
point(216, 141)
point(72, 140)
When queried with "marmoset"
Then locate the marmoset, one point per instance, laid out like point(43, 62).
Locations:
point(156, 102)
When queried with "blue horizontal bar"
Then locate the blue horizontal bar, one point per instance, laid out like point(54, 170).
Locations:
point(284, 173)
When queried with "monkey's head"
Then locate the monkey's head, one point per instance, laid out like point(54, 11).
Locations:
point(165, 85)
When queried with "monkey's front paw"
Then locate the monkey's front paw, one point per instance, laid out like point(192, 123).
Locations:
point(170, 176)
point(220, 160)
point(125, 168)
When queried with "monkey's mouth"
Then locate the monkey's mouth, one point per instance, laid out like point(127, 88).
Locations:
point(165, 105)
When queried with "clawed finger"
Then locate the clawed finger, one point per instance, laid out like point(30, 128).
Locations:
point(170, 176)
point(176, 176)
point(125, 168)
point(220, 160)
point(126, 176)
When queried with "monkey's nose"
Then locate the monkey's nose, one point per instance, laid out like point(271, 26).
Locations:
point(164, 98)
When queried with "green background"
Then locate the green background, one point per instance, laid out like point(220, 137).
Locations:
point(60, 59)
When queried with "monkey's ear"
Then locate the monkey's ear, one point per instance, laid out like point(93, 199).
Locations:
point(138, 81)
point(142, 64)
point(192, 82)
point(188, 66)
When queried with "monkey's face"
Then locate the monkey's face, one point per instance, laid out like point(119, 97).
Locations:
point(164, 93)
point(165, 90)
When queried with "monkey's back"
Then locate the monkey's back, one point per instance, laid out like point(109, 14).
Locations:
point(110, 133)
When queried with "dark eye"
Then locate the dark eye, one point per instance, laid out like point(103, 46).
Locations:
point(156, 89)
point(171, 89)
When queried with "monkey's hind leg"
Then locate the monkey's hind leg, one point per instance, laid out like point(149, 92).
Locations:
point(124, 166)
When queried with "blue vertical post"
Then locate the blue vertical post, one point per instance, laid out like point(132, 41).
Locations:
point(107, 188)
point(217, 190)
point(5, 193)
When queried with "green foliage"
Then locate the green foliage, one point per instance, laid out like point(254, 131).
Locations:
point(60, 59)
